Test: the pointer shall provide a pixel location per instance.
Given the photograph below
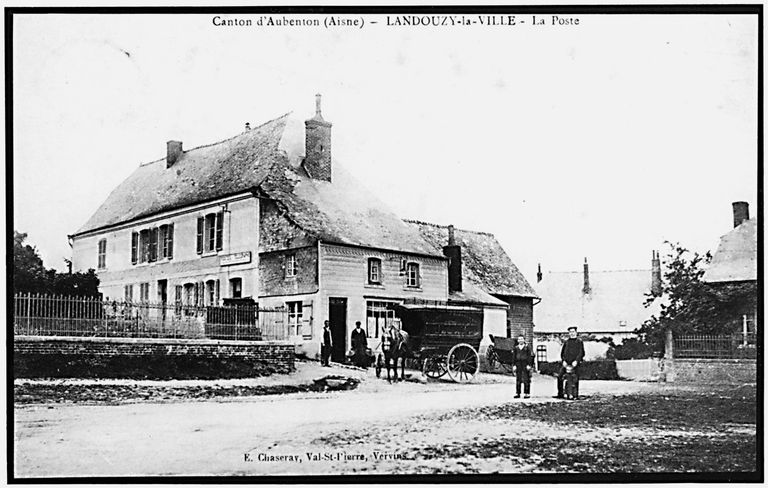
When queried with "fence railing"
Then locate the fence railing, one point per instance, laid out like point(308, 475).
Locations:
point(93, 317)
point(736, 346)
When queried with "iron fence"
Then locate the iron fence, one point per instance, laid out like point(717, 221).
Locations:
point(736, 346)
point(44, 315)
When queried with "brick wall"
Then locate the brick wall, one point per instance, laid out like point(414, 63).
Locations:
point(276, 232)
point(164, 358)
point(519, 317)
point(272, 272)
point(711, 371)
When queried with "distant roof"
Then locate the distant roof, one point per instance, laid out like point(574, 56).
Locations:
point(266, 160)
point(484, 261)
point(616, 296)
point(736, 255)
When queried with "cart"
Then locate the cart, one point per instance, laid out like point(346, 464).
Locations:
point(444, 338)
point(500, 353)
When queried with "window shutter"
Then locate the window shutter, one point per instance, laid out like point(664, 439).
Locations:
point(197, 294)
point(134, 247)
point(200, 227)
point(169, 236)
point(219, 230)
point(216, 297)
point(201, 294)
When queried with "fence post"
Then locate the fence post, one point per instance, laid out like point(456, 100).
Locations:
point(669, 345)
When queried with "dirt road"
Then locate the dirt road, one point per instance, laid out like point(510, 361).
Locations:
point(378, 428)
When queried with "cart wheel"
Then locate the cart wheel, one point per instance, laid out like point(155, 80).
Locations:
point(434, 368)
point(491, 358)
point(463, 363)
point(379, 365)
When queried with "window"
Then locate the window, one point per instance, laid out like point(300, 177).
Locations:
point(102, 254)
point(412, 275)
point(377, 315)
point(374, 271)
point(166, 241)
point(541, 353)
point(212, 292)
point(153, 244)
point(295, 312)
point(290, 265)
point(190, 298)
point(236, 287)
point(144, 292)
point(210, 232)
point(128, 292)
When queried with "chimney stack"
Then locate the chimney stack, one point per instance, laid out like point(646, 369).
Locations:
point(539, 276)
point(453, 253)
point(317, 159)
point(247, 126)
point(655, 274)
point(740, 213)
point(174, 153)
point(587, 289)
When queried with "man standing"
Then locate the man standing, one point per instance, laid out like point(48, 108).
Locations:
point(522, 364)
point(325, 346)
point(359, 345)
point(571, 354)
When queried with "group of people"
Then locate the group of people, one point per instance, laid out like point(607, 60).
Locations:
point(571, 356)
point(359, 345)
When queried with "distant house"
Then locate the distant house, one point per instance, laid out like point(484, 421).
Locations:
point(270, 214)
point(735, 263)
point(602, 304)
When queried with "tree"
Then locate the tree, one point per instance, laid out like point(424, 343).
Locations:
point(691, 306)
point(30, 275)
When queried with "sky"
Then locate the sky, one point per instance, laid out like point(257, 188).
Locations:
point(598, 140)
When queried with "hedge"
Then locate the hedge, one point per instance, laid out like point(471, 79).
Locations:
point(588, 370)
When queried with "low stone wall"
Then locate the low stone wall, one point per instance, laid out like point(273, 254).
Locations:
point(97, 357)
point(712, 371)
point(639, 369)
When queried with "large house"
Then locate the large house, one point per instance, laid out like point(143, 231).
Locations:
point(269, 214)
point(734, 265)
point(602, 304)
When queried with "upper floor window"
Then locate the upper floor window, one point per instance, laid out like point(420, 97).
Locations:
point(290, 265)
point(210, 232)
point(149, 245)
point(102, 254)
point(412, 275)
point(374, 271)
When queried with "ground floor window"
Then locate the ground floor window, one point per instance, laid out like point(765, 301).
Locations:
point(378, 313)
point(236, 287)
point(541, 353)
point(295, 314)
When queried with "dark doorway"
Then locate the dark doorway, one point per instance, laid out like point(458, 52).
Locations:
point(162, 295)
point(337, 316)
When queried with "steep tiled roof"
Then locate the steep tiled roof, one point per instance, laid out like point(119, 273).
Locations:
point(484, 261)
point(266, 160)
point(232, 166)
point(616, 296)
point(736, 256)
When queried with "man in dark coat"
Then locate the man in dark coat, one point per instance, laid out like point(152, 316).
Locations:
point(522, 364)
point(359, 346)
point(571, 354)
point(326, 345)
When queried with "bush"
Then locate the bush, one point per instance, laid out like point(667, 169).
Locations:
point(632, 349)
point(588, 370)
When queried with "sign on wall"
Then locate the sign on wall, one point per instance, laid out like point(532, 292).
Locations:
point(236, 258)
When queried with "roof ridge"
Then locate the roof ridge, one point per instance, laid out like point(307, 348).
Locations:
point(413, 221)
point(601, 271)
point(223, 140)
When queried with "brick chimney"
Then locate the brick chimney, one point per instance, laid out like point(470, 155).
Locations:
point(740, 213)
point(539, 276)
point(453, 253)
point(587, 289)
point(655, 274)
point(174, 153)
point(317, 161)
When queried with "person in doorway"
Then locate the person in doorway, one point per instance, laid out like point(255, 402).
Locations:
point(522, 365)
point(325, 346)
point(571, 355)
point(359, 346)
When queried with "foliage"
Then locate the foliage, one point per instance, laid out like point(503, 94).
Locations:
point(691, 306)
point(30, 275)
point(632, 348)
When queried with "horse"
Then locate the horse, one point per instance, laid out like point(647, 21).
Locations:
point(394, 345)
